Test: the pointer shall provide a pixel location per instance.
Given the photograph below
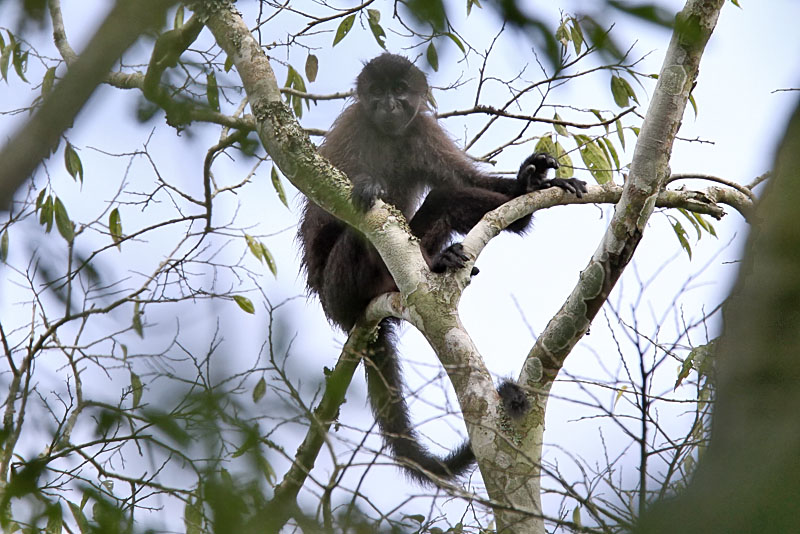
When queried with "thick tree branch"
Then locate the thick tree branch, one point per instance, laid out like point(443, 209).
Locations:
point(706, 202)
point(123, 25)
point(649, 171)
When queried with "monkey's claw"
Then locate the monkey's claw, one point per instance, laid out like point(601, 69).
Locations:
point(541, 161)
point(570, 185)
point(451, 258)
point(365, 193)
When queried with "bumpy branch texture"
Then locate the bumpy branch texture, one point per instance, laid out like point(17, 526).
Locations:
point(649, 171)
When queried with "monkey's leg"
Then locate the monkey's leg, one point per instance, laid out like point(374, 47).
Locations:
point(455, 210)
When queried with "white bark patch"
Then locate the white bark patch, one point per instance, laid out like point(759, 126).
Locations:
point(673, 79)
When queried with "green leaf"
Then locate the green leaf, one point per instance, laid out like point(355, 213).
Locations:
point(618, 92)
point(65, 227)
point(254, 246)
point(344, 28)
point(560, 128)
point(373, 19)
point(193, 516)
point(136, 388)
point(620, 133)
point(260, 251)
point(693, 103)
point(576, 516)
point(48, 80)
point(20, 61)
point(618, 396)
point(704, 224)
point(265, 468)
point(40, 199)
point(433, 57)
point(273, 267)
point(137, 320)
point(73, 163)
point(260, 390)
point(684, 371)
point(55, 520)
point(250, 442)
point(629, 89)
point(295, 81)
point(577, 36)
point(562, 35)
point(471, 3)
point(228, 64)
point(680, 233)
point(46, 214)
point(212, 91)
point(548, 146)
point(269, 259)
point(595, 159)
point(312, 67)
point(611, 151)
point(115, 227)
point(457, 41)
point(622, 91)
point(179, 14)
point(80, 519)
point(566, 169)
point(245, 303)
point(4, 59)
point(278, 186)
point(4, 247)
point(169, 424)
point(692, 221)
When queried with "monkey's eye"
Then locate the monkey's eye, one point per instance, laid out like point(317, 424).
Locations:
point(400, 88)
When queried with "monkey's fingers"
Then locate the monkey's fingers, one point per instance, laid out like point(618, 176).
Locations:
point(365, 194)
point(541, 161)
point(451, 258)
point(570, 185)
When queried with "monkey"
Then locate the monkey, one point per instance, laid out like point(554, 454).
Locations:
point(389, 145)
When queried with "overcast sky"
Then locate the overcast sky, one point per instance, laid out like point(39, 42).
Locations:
point(752, 55)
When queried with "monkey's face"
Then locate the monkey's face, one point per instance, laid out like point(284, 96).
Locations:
point(391, 109)
point(391, 91)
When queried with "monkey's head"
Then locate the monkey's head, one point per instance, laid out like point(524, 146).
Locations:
point(391, 91)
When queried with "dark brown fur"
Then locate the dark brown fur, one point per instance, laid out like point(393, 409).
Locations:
point(390, 147)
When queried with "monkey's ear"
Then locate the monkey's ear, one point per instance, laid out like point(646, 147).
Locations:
point(431, 100)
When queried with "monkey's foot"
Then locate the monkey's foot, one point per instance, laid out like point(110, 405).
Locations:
point(451, 258)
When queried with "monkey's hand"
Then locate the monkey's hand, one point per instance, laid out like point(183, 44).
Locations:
point(533, 171)
point(570, 185)
point(532, 176)
point(451, 258)
point(366, 191)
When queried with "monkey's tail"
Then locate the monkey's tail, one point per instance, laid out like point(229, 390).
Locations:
point(385, 387)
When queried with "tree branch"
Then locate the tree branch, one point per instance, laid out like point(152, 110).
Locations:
point(123, 25)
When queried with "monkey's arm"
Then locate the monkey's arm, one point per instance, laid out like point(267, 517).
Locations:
point(532, 176)
point(457, 209)
point(366, 190)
